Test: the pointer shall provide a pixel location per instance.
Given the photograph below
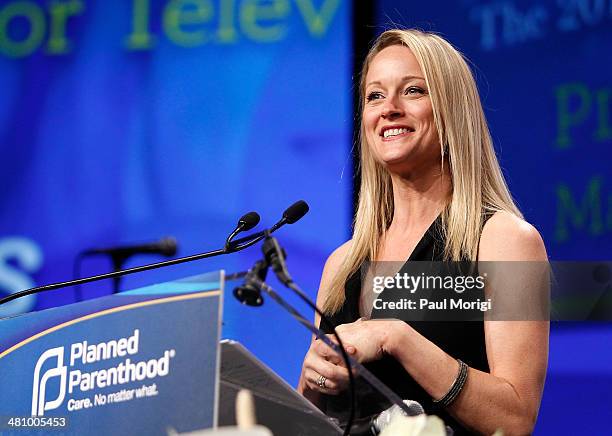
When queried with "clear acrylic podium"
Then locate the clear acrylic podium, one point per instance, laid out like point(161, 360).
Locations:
point(277, 405)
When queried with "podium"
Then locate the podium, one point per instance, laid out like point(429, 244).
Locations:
point(277, 405)
point(138, 362)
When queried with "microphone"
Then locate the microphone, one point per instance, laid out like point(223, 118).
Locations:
point(165, 246)
point(249, 293)
point(246, 222)
point(291, 215)
point(274, 254)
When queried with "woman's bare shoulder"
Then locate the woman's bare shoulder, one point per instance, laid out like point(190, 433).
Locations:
point(338, 255)
point(332, 266)
point(505, 236)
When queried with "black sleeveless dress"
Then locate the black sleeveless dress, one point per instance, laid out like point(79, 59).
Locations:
point(460, 339)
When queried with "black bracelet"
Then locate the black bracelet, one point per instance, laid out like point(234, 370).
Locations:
point(456, 387)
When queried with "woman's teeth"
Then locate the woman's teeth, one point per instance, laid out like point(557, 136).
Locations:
point(394, 132)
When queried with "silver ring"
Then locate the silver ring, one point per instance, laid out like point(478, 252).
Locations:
point(321, 381)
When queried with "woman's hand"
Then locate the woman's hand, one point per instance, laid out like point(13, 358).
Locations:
point(325, 371)
point(322, 361)
point(368, 337)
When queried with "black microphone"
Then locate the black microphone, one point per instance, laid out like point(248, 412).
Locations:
point(246, 222)
point(291, 215)
point(249, 293)
point(165, 246)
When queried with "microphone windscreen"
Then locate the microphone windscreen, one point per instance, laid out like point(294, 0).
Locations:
point(168, 246)
point(249, 220)
point(296, 211)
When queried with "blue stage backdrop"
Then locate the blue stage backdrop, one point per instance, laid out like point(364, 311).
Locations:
point(124, 121)
point(543, 70)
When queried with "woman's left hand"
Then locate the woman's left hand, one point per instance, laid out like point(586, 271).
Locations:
point(368, 337)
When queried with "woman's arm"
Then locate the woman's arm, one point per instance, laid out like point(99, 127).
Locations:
point(509, 396)
point(320, 359)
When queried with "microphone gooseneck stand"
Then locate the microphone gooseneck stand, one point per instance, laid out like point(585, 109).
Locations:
point(292, 214)
point(124, 272)
point(250, 294)
point(363, 371)
point(275, 257)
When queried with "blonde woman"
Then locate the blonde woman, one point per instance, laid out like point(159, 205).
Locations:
point(431, 189)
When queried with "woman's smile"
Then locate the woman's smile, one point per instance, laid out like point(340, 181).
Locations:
point(392, 133)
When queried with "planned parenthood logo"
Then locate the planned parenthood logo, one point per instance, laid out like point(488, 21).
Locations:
point(39, 402)
point(75, 384)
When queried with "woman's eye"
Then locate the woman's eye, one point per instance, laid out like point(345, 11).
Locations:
point(374, 96)
point(412, 90)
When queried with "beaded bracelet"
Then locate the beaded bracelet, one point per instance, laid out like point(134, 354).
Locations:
point(456, 387)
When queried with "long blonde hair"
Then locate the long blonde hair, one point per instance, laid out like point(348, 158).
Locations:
point(478, 186)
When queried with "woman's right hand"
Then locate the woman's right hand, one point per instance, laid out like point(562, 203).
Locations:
point(321, 361)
